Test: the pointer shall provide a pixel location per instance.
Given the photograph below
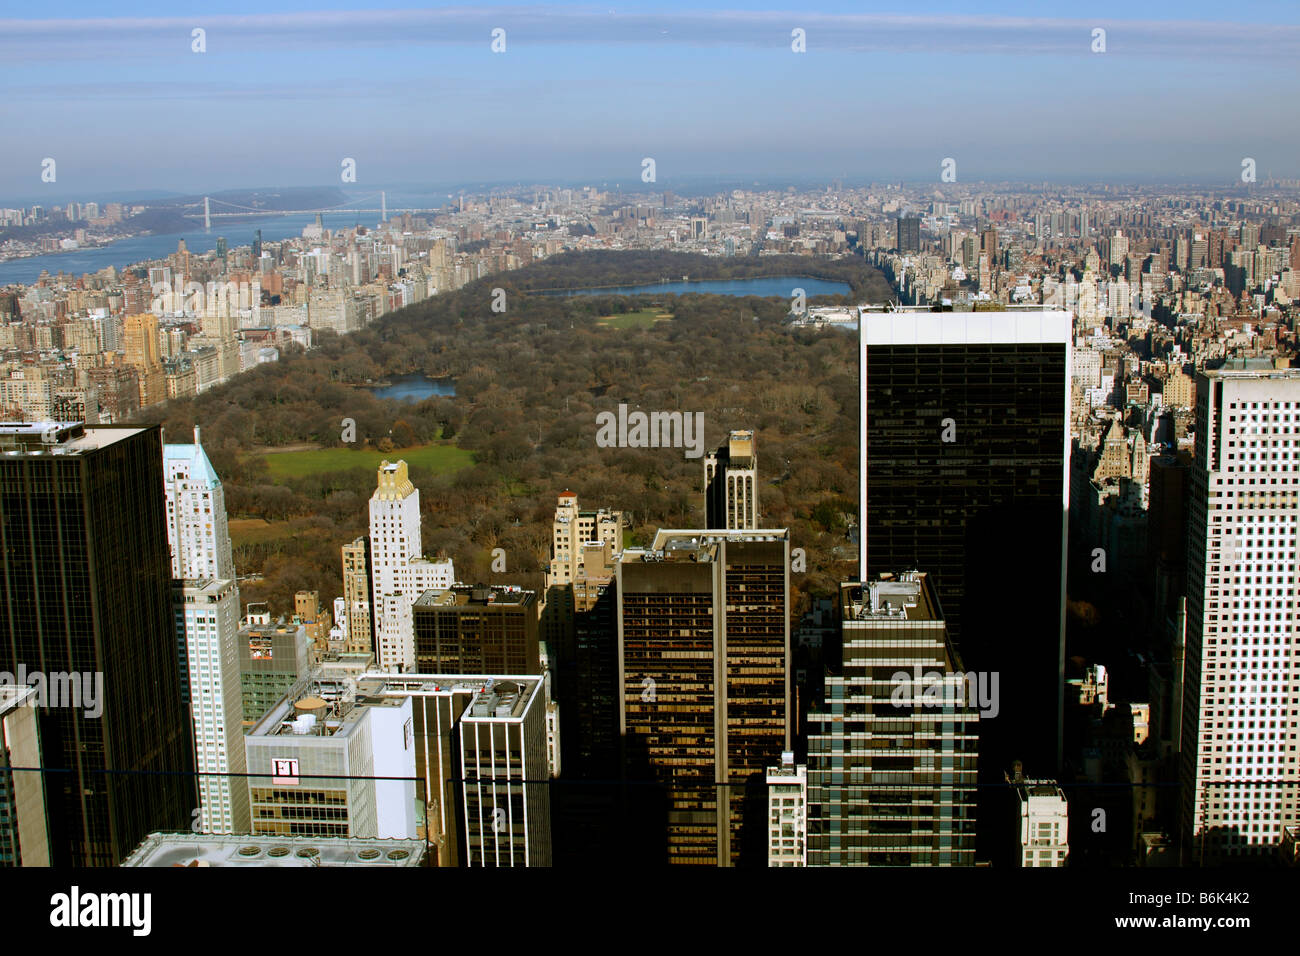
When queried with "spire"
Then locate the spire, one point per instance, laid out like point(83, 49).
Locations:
point(196, 435)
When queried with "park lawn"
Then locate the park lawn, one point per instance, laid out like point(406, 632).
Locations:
point(438, 457)
point(641, 319)
point(249, 531)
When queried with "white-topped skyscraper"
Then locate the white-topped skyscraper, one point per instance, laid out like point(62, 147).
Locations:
point(965, 463)
point(398, 571)
point(196, 514)
point(207, 628)
point(1240, 769)
point(205, 607)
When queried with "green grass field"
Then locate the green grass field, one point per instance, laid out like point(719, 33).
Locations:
point(440, 458)
point(642, 319)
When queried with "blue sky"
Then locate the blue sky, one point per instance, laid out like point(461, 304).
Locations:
point(284, 91)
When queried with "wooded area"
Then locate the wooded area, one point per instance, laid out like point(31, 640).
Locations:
point(529, 384)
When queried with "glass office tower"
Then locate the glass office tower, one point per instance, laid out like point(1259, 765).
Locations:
point(85, 572)
point(892, 752)
point(965, 475)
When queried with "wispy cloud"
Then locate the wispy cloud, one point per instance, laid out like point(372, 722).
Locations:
point(52, 40)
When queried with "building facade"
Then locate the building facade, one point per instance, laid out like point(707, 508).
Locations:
point(506, 784)
point(197, 529)
point(86, 572)
point(207, 637)
point(1240, 772)
point(731, 484)
point(964, 471)
point(439, 705)
point(398, 571)
point(787, 813)
point(892, 753)
point(324, 763)
point(1043, 818)
point(357, 596)
point(478, 630)
point(704, 703)
point(24, 832)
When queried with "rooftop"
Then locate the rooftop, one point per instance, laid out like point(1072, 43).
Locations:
point(699, 545)
point(922, 326)
point(492, 696)
point(1039, 790)
point(16, 695)
point(190, 849)
point(905, 597)
point(59, 438)
point(317, 706)
point(461, 596)
point(1260, 367)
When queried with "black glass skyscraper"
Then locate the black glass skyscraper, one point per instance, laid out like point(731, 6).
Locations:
point(704, 709)
point(965, 456)
point(909, 234)
point(85, 571)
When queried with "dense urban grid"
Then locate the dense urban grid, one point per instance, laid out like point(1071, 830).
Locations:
point(1060, 629)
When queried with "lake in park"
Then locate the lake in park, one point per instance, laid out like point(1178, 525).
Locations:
point(415, 388)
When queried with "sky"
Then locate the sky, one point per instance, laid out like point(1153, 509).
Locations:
point(284, 92)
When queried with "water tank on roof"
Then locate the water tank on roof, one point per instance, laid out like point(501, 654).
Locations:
point(311, 705)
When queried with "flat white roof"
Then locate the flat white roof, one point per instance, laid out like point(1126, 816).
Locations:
point(966, 328)
point(184, 849)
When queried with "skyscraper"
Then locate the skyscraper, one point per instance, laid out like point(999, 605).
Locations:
point(398, 571)
point(731, 484)
point(1240, 771)
point(892, 753)
point(787, 813)
point(909, 234)
point(580, 634)
point(479, 630)
point(964, 438)
point(578, 628)
point(357, 595)
point(142, 352)
point(1043, 823)
point(197, 529)
point(86, 573)
point(572, 529)
point(350, 765)
point(465, 773)
point(207, 626)
point(505, 789)
point(704, 708)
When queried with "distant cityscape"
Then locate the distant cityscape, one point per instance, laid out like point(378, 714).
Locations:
point(1076, 400)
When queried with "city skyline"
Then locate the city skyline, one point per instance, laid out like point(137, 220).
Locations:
point(425, 520)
